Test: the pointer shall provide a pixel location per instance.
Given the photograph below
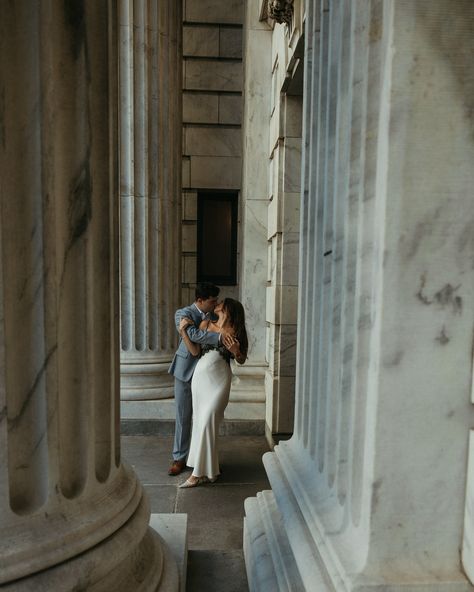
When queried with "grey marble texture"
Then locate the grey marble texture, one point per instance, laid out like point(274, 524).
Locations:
point(150, 153)
point(71, 514)
point(371, 488)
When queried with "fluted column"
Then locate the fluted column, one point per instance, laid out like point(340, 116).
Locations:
point(150, 169)
point(72, 516)
point(370, 492)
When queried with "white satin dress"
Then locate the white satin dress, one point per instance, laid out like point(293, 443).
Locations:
point(210, 387)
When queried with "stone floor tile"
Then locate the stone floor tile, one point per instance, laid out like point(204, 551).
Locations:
point(215, 514)
point(162, 498)
point(216, 571)
point(215, 511)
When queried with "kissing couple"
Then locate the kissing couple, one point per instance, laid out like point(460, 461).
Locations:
point(211, 334)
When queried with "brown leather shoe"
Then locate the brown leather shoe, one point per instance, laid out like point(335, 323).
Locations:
point(177, 467)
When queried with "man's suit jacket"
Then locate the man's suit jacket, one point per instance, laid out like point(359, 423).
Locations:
point(182, 366)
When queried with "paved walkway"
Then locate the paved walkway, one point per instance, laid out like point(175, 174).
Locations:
point(215, 511)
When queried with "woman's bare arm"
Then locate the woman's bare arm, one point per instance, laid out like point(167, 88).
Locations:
point(193, 348)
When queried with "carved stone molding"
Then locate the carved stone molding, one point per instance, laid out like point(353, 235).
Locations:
point(280, 11)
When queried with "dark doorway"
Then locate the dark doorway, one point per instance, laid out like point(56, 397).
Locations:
point(217, 237)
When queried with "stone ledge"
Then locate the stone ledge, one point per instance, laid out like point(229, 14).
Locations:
point(165, 427)
point(173, 529)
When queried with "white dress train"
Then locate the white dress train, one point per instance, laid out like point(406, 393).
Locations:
point(210, 388)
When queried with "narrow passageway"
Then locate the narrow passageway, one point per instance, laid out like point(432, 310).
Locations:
point(215, 511)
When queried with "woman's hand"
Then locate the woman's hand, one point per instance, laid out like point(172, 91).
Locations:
point(233, 345)
point(184, 323)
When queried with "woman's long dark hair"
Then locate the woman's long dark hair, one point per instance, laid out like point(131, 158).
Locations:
point(236, 318)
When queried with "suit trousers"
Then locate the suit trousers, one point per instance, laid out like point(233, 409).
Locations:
point(184, 411)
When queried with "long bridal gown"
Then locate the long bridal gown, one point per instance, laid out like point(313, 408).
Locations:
point(210, 389)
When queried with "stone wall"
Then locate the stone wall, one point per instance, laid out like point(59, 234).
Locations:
point(212, 116)
point(273, 82)
point(213, 145)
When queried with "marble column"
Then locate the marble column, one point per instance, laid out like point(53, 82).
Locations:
point(370, 492)
point(72, 515)
point(150, 193)
point(250, 379)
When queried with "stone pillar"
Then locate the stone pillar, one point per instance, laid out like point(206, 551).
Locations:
point(72, 515)
point(250, 378)
point(370, 492)
point(150, 193)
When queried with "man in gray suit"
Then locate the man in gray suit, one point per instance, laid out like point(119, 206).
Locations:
point(182, 368)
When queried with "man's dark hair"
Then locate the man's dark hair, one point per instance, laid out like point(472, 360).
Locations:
point(205, 290)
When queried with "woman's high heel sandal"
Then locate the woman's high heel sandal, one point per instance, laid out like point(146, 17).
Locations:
point(193, 482)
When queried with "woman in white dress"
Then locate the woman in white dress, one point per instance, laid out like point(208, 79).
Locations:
point(210, 386)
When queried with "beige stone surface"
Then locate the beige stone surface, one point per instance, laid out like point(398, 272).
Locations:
point(256, 114)
point(201, 108)
point(214, 11)
point(289, 258)
point(282, 304)
point(189, 205)
point(280, 402)
point(290, 204)
point(216, 172)
point(188, 239)
point(230, 109)
point(253, 22)
point(173, 529)
point(201, 41)
point(213, 141)
point(230, 42)
point(275, 127)
point(189, 267)
point(292, 165)
point(212, 75)
point(273, 225)
point(293, 113)
point(254, 274)
point(186, 172)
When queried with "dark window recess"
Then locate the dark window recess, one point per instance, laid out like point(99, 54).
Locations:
point(217, 238)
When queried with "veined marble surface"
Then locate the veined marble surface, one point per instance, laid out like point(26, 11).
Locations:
point(371, 487)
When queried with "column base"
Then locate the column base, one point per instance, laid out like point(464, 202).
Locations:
point(269, 560)
point(247, 393)
point(133, 559)
point(284, 550)
point(146, 381)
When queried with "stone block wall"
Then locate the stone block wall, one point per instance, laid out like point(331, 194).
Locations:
point(212, 116)
point(284, 162)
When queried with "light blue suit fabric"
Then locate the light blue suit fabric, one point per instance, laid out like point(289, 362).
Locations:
point(182, 368)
